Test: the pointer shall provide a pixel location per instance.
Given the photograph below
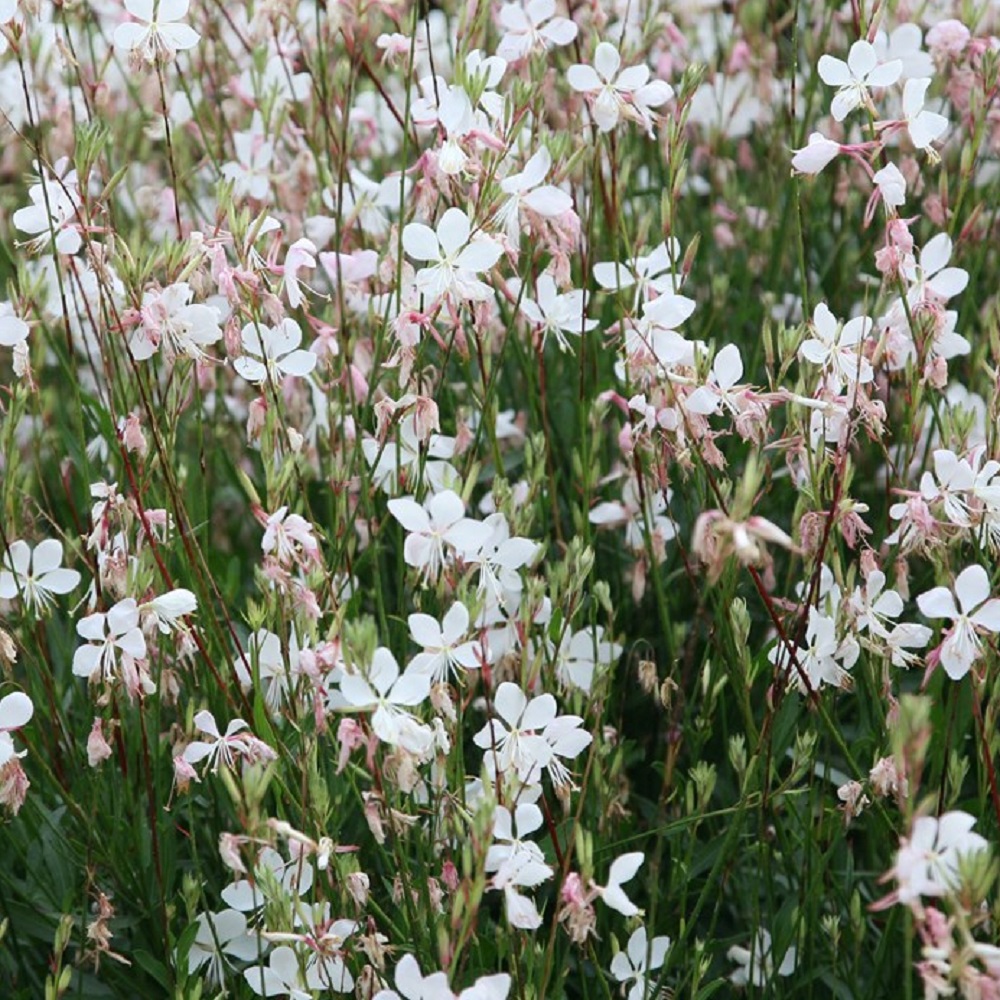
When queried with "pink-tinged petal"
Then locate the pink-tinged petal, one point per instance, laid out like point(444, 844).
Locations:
point(480, 255)
point(421, 242)
point(299, 363)
point(548, 201)
point(937, 603)
point(205, 722)
point(606, 60)
point(583, 79)
point(936, 254)
point(510, 702)
point(15, 711)
point(861, 60)
point(453, 230)
point(834, 72)
point(988, 616)
point(972, 587)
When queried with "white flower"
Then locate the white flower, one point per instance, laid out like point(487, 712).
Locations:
point(975, 612)
point(640, 958)
point(756, 964)
point(932, 280)
point(526, 190)
point(36, 575)
point(553, 313)
point(580, 653)
point(169, 608)
point(382, 690)
point(223, 749)
point(927, 863)
point(814, 156)
point(727, 370)
point(169, 319)
point(219, 935)
point(250, 171)
point(613, 95)
point(155, 34)
point(532, 27)
point(13, 329)
point(439, 522)
point(623, 869)
point(854, 78)
point(517, 863)
point(52, 214)
point(273, 352)
point(454, 259)
point(837, 347)
point(924, 126)
point(446, 650)
point(16, 711)
point(116, 632)
point(891, 184)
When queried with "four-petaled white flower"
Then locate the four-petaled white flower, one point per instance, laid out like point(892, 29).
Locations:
point(387, 694)
point(446, 647)
point(273, 351)
point(155, 35)
point(861, 72)
point(975, 612)
point(220, 935)
point(36, 575)
point(223, 748)
point(532, 27)
point(169, 319)
point(553, 313)
point(109, 634)
point(640, 958)
point(838, 347)
point(927, 863)
point(453, 258)
point(517, 863)
point(525, 190)
point(756, 964)
point(613, 95)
